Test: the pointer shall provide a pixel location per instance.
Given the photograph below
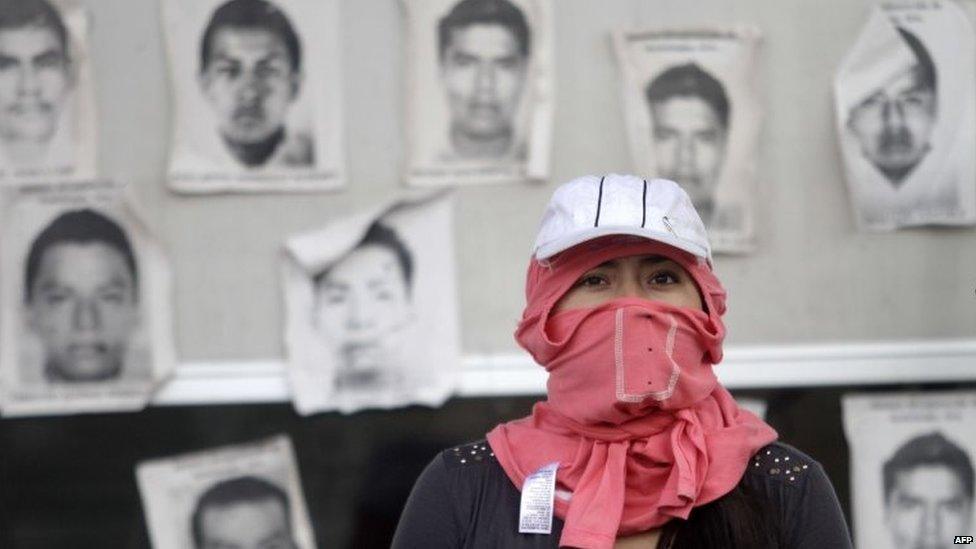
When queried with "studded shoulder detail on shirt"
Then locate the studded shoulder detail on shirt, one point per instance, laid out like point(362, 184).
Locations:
point(782, 462)
point(469, 454)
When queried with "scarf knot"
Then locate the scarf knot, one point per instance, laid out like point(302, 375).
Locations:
point(633, 478)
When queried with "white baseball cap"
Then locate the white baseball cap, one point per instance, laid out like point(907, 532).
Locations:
point(591, 206)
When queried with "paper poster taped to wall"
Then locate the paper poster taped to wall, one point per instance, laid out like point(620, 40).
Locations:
point(912, 460)
point(905, 107)
point(256, 85)
point(86, 302)
point(247, 495)
point(371, 309)
point(755, 405)
point(479, 90)
point(47, 99)
point(693, 114)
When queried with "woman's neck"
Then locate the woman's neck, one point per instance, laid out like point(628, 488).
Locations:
point(644, 540)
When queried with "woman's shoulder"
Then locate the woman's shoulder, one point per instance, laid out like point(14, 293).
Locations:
point(777, 461)
point(446, 502)
point(471, 456)
point(782, 462)
point(798, 488)
point(467, 468)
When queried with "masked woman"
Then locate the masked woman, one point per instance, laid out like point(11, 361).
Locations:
point(649, 450)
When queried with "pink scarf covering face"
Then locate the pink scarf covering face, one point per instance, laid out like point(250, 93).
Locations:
point(641, 427)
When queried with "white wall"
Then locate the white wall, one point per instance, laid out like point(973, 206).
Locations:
point(813, 279)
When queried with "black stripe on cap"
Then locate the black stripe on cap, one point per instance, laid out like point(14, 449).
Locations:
point(644, 204)
point(599, 203)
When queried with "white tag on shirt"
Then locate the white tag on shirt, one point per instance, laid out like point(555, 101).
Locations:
point(535, 509)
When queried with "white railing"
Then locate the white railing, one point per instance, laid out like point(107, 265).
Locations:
point(744, 367)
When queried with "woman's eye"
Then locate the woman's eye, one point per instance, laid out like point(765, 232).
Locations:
point(591, 280)
point(664, 277)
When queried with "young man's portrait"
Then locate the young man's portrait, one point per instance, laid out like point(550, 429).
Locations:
point(36, 79)
point(250, 72)
point(483, 55)
point(894, 124)
point(363, 306)
point(928, 493)
point(81, 296)
point(244, 512)
point(689, 131)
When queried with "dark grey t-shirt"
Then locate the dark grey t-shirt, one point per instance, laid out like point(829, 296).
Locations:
point(464, 499)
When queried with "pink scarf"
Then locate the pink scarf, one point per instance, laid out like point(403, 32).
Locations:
point(641, 427)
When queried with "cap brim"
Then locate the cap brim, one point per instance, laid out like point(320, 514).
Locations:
point(552, 248)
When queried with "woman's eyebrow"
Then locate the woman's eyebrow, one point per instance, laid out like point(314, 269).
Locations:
point(651, 260)
point(606, 264)
point(655, 259)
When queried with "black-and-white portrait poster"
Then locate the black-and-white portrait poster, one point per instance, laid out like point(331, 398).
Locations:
point(246, 495)
point(479, 90)
point(371, 309)
point(905, 108)
point(692, 112)
point(757, 406)
point(257, 95)
point(85, 299)
point(911, 466)
point(47, 100)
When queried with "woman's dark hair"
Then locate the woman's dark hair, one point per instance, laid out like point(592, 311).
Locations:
point(739, 519)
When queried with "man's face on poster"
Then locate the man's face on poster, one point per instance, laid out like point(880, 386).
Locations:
point(250, 83)
point(483, 72)
point(84, 309)
point(258, 524)
point(35, 79)
point(689, 143)
point(927, 507)
point(363, 303)
point(893, 125)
